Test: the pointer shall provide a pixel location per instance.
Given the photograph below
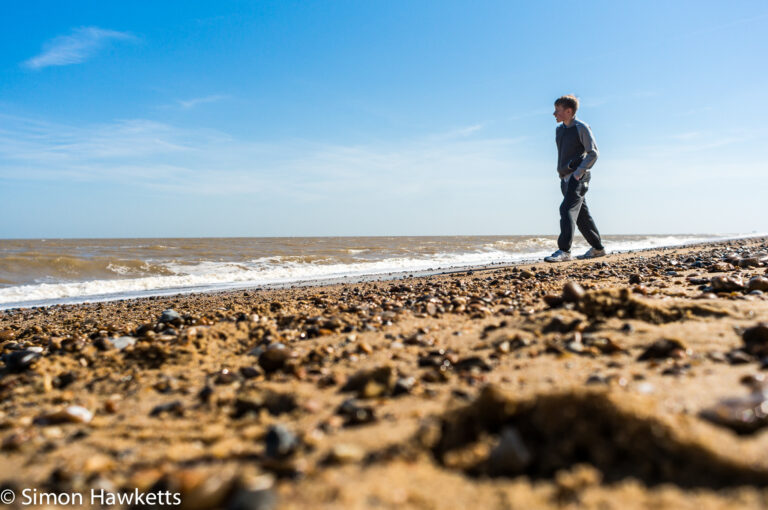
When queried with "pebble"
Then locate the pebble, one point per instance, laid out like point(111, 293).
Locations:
point(472, 363)
point(174, 407)
point(510, 456)
point(665, 348)
point(345, 453)
point(743, 415)
point(225, 376)
point(280, 442)
point(355, 414)
point(573, 292)
point(404, 385)
point(122, 342)
point(170, 315)
point(758, 283)
point(756, 339)
point(274, 358)
point(727, 283)
point(274, 402)
point(597, 379)
point(372, 383)
point(739, 357)
point(250, 372)
point(69, 414)
point(19, 361)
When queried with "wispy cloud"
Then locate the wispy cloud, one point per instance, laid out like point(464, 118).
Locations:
point(461, 132)
point(191, 103)
point(81, 44)
point(198, 161)
point(690, 135)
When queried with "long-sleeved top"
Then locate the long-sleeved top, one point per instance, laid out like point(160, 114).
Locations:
point(576, 149)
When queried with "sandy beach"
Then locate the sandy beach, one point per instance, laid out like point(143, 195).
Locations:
point(632, 381)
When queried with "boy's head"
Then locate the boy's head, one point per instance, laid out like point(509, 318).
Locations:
point(565, 108)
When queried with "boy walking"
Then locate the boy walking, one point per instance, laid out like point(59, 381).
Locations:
point(576, 154)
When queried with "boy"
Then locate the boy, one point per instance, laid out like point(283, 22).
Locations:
point(576, 154)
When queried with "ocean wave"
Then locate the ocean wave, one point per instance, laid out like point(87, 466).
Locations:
point(261, 272)
point(123, 279)
point(25, 266)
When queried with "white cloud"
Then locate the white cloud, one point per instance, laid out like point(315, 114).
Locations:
point(197, 161)
point(74, 48)
point(191, 103)
point(690, 135)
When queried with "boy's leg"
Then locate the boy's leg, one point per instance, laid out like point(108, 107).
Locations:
point(588, 228)
point(569, 212)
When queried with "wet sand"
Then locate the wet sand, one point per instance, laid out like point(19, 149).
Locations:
point(597, 384)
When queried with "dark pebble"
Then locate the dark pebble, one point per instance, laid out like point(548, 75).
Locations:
point(756, 339)
point(170, 315)
point(274, 358)
point(572, 292)
point(175, 407)
point(665, 348)
point(20, 361)
point(280, 442)
point(355, 414)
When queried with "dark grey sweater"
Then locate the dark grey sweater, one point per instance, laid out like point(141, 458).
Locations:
point(576, 149)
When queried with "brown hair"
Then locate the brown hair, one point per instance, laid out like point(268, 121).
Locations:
point(568, 101)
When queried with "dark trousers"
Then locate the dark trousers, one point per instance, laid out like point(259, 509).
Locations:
point(574, 211)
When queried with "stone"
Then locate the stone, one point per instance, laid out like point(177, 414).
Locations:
point(756, 339)
point(553, 300)
point(170, 315)
point(573, 292)
point(472, 363)
point(743, 415)
point(175, 407)
point(19, 361)
point(727, 283)
point(274, 358)
point(345, 453)
point(250, 372)
point(758, 283)
point(355, 414)
point(749, 262)
point(510, 456)
point(121, 342)
point(273, 402)
point(280, 442)
point(597, 379)
point(403, 385)
point(371, 383)
point(665, 348)
point(225, 376)
point(69, 414)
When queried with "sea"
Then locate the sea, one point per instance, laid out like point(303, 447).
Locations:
point(42, 272)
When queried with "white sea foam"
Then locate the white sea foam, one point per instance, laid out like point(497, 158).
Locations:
point(214, 275)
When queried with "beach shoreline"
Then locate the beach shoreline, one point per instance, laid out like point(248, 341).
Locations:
point(448, 390)
point(351, 279)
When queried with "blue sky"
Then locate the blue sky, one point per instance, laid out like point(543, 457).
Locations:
point(197, 118)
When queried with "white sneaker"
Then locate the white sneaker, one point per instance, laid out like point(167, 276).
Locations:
point(592, 253)
point(558, 256)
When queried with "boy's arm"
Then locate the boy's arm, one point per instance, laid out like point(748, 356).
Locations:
point(590, 147)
